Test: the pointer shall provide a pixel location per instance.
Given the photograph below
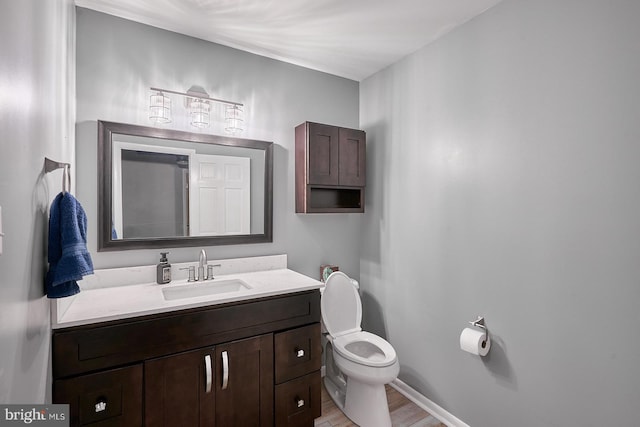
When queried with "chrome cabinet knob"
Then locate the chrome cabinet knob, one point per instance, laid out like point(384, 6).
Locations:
point(101, 405)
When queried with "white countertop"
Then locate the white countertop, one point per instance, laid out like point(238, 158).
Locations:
point(98, 303)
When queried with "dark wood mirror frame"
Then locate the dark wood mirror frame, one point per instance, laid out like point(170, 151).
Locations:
point(105, 195)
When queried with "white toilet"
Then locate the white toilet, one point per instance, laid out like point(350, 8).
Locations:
point(366, 360)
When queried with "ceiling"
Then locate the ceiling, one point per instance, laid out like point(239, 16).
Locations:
point(349, 38)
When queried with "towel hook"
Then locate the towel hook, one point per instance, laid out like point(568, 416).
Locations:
point(66, 179)
point(51, 165)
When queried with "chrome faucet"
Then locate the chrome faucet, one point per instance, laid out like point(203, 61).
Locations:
point(202, 265)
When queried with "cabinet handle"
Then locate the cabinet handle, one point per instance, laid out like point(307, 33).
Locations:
point(207, 371)
point(299, 353)
point(299, 402)
point(225, 370)
point(101, 404)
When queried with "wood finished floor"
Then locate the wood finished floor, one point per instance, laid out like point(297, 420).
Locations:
point(404, 413)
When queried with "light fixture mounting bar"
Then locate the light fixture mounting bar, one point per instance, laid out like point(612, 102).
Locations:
point(195, 95)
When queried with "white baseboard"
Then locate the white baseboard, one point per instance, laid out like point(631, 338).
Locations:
point(431, 407)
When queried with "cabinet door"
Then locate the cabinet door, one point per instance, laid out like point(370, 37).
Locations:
point(244, 385)
point(179, 389)
point(352, 158)
point(323, 155)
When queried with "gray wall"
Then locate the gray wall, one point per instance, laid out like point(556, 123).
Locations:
point(504, 181)
point(117, 62)
point(36, 117)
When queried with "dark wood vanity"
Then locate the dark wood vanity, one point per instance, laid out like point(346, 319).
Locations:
point(330, 168)
point(248, 363)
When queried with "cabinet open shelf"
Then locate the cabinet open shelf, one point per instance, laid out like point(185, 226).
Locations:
point(335, 200)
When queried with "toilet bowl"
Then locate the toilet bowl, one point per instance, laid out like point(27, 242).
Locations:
point(359, 363)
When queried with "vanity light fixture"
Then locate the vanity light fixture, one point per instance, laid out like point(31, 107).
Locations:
point(199, 112)
point(159, 108)
point(233, 117)
point(198, 103)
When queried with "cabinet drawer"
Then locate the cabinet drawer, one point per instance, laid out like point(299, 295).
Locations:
point(298, 402)
point(110, 398)
point(297, 352)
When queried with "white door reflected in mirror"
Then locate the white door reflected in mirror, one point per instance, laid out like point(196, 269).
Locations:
point(220, 195)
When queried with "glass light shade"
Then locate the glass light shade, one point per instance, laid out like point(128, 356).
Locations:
point(199, 113)
point(159, 108)
point(233, 117)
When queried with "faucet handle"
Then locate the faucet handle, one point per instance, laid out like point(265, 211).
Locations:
point(192, 273)
point(210, 270)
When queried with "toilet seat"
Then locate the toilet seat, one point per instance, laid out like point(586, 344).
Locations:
point(366, 349)
point(341, 310)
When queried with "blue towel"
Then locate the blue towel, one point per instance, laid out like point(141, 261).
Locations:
point(69, 259)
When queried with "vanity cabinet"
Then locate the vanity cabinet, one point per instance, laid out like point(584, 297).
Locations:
point(330, 168)
point(238, 364)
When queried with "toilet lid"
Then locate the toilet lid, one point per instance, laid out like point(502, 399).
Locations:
point(340, 305)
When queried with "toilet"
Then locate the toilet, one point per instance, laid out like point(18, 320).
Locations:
point(358, 363)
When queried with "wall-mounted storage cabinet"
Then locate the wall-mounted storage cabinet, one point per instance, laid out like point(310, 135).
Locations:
point(330, 169)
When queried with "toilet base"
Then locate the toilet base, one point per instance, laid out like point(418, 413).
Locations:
point(366, 404)
point(335, 392)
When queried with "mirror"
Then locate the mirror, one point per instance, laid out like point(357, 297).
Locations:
point(162, 188)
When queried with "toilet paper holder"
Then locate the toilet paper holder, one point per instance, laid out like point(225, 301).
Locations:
point(475, 341)
point(479, 323)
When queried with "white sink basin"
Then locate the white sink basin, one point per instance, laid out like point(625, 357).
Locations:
point(200, 289)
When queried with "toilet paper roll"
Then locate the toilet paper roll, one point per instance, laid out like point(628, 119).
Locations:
point(473, 341)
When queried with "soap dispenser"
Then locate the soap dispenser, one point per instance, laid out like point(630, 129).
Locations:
point(163, 270)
